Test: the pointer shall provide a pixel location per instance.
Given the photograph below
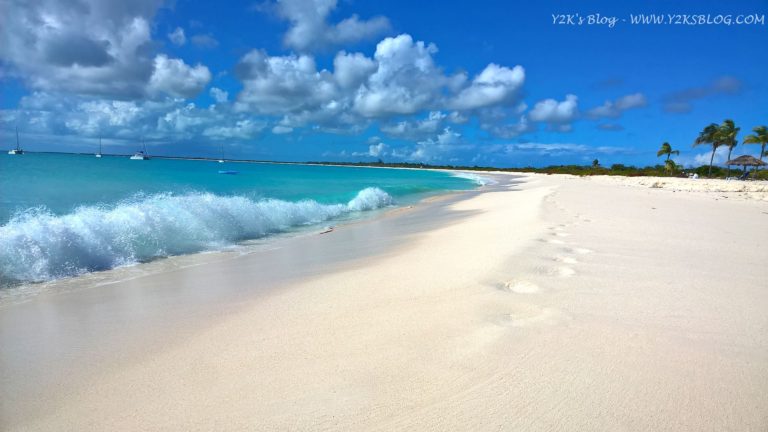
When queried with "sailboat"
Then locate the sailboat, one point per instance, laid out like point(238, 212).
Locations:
point(98, 155)
point(230, 172)
point(17, 150)
point(141, 154)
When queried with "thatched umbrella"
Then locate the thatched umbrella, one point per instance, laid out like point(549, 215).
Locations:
point(745, 161)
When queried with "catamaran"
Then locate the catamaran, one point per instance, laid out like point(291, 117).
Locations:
point(98, 155)
point(17, 150)
point(141, 154)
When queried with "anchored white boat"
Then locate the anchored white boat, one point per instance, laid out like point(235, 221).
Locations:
point(17, 150)
point(98, 155)
point(141, 154)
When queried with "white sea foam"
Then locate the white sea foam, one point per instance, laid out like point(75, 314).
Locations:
point(36, 245)
point(479, 180)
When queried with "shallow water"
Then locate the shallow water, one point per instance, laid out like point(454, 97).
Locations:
point(65, 215)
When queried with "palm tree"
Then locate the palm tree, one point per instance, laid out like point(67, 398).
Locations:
point(709, 135)
point(759, 137)
point(669, 166)
point(666, 149)
point(727, 133)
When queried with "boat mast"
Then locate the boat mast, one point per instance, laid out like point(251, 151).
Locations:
point(99, 144)
point(17, 139)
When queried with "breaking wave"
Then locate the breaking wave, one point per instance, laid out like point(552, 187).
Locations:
point(478, 180)
point(37, 245)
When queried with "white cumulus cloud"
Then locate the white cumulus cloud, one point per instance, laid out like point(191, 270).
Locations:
point(494, 85)
point(377, 150)
point(85, 48)
point(176, 78)
point(614, 109)
point(282, 84)
point(405, 81)
point(310, 30)
point(351, 70)
point(219, 95)
point(280, 129)
point(557, 114)
point(177, 37)
point(241, 129)
point(401, 79)
point(416, 129)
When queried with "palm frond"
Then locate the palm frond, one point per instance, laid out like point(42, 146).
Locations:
point(759, 137)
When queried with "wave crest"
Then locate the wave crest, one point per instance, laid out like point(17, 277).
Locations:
point(477, 179)
point(37, 245)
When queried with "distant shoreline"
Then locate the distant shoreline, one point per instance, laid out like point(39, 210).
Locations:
point(579, 170)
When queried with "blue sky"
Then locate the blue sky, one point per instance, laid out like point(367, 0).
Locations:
point(487, 83)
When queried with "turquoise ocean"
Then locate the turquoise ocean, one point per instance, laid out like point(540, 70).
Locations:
point(63, 215)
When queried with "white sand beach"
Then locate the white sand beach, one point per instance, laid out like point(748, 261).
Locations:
point(552, 303)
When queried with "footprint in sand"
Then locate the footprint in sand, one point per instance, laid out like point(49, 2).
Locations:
point(562, 234)
point(577, 250)
point(564, 271)
point(555, 241)
point(544, 316)
point(566, 260)
point(559, 271)
point(581, 251)
point(521, 287)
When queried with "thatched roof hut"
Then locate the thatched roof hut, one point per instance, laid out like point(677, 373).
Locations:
point(746, 160)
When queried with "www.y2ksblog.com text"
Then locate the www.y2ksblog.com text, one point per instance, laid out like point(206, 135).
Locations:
point(659, 19)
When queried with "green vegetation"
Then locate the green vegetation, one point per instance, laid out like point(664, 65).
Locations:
point(666, 149)
point(760, 136)
point(715, 135)
point(578, 170)
point(709, 135)
point(728, 132)
point(669, 165)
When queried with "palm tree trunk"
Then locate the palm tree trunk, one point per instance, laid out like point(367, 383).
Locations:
point(730, 149)
point(711, 159)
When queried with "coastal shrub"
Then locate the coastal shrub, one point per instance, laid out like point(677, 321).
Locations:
point(658, 170)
